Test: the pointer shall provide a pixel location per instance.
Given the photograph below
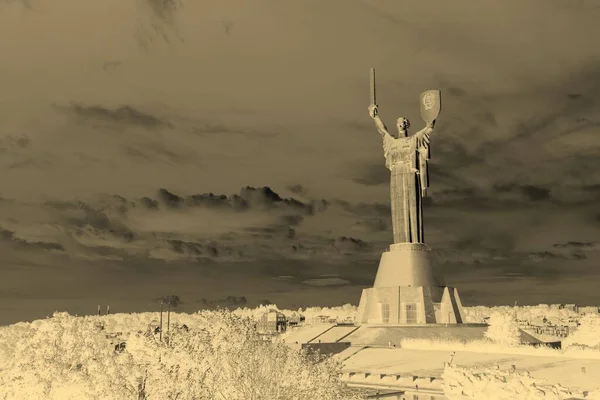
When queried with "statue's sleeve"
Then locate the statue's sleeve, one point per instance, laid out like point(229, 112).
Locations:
point(423, 169)
point(423, 147)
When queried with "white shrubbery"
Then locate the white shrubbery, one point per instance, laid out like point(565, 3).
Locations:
point(587, 334)
point(340, 313)
point(495, 384)
point(503, 329)
point(534, 314)
point(220, 357)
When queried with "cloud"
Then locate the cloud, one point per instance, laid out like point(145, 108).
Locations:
point(283, 278)
point(530, 192)
point(349, 245)
point(22, 243)
point(160, 22)
point(298, 189)
point(577, 245)
point(229, 301)
point(326, 282)
point(121, 115)
point(174, 300)
point(255, 224)
point(370, 174)
point(363, 209)
point(109, 66)
point(165, 10)
point(370, 225)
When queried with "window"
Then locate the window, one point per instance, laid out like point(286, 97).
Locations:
point(385, 313)
point(411, 313)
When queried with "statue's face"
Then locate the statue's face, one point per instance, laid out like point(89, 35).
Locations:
point(402, 124)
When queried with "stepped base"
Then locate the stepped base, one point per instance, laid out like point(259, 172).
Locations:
point(410, 305)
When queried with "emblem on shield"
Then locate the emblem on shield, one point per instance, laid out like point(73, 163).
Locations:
point(428, 101)
point(431, 105)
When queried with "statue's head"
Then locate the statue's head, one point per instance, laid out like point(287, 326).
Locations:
point(402, 124)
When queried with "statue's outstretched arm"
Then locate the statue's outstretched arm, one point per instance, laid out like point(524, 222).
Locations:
point(374, 114)
point(381, 128)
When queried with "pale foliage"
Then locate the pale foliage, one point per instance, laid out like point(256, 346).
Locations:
point(496, 384)
point(220, 357)
point(340, 313)
point(485, 346)
point(49, 358)
point(534, 314)
point(587, 334)
point(503, 329)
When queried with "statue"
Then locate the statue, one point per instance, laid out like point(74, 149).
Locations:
point(406, 157)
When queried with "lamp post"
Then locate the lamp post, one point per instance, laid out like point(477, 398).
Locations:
point(160, 330)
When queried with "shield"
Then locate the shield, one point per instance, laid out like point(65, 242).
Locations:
point(431, 104)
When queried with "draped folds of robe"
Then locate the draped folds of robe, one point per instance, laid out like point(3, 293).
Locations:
point(406, 158)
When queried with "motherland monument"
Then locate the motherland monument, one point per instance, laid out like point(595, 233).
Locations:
point(407, 288)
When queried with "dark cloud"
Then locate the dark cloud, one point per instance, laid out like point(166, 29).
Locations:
point(298, 189)
point(169, 199)
point(10, 237)
point(364, 209)
point(249, 198)
point(256, 224)
point(349, 245)
point(326, 282)
point(371, 225)
point(227, 27)
point(284, 277)
point(455, 91)
point(371, 174)
point(535, 193)
point(149, 203)
point(194, 249)
point(109, 66)
point(228, 301)
point(530, 192)
point(124, 115)
point(577, 245)
point(21, 141)
point(160, 22)
point(544, 255)
point(532, 270)
point(594, 190)
point(165, 10)
point(174, 300)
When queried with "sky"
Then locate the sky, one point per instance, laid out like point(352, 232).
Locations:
point(212, 149)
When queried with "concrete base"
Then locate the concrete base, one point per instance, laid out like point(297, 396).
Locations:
point(408, 290)
point(401, 305)
point(407, 264)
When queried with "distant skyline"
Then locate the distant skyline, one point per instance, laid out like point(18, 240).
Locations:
point(118, 118)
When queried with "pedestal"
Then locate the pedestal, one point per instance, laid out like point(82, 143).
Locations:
point(408, 290)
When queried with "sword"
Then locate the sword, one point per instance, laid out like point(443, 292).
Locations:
point(373, 94)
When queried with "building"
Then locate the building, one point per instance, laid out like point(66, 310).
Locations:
point(272, 321)
point(295, 319)
point(570, 307)
point(588, 310)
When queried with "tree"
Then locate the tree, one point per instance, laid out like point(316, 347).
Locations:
point(503, 329)
point(587, 333)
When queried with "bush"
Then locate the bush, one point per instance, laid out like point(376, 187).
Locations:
point(220, 357)
point(587, 334)
point(503, 329)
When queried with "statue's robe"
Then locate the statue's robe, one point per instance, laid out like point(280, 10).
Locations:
point(406, 158)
